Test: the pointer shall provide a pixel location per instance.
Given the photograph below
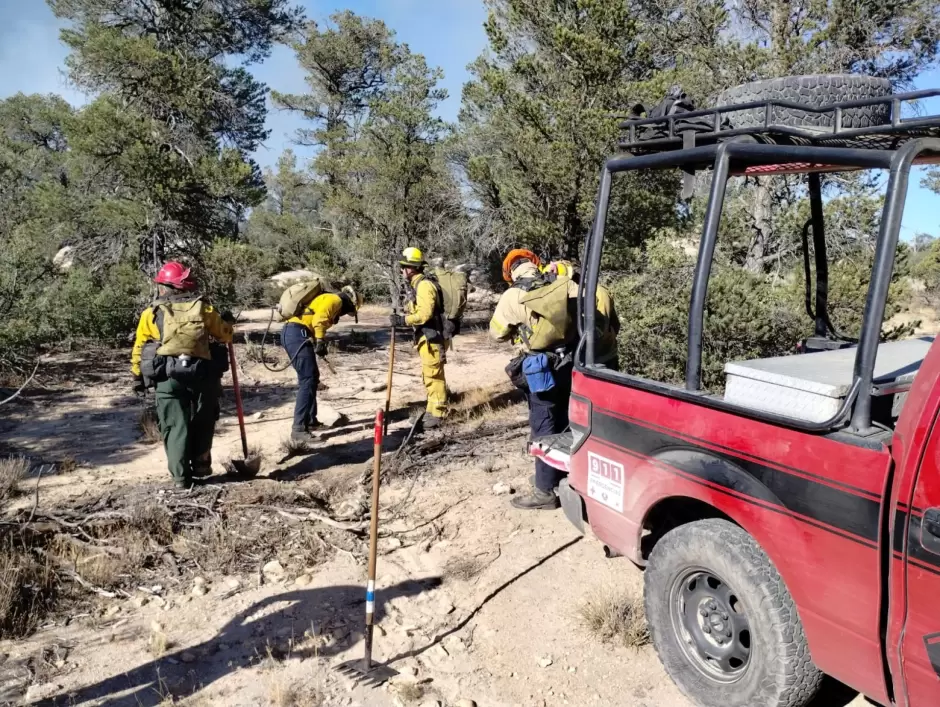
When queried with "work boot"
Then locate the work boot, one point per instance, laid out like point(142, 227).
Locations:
point(182, 484)
point(430, 422)
point(201, 470)
point(537, 500)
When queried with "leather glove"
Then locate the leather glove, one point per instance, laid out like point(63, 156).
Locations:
point(139, 388)
point(320, 348)
point(397, 320)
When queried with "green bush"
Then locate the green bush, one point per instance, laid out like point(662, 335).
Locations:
point(235, 274)
point(98, 305)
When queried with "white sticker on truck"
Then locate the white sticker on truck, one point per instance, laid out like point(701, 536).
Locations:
point(605, 481)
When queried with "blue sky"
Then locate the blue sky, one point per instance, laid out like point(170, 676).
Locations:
point(448, 32)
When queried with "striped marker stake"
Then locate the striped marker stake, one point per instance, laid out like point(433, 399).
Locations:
point(364, 671)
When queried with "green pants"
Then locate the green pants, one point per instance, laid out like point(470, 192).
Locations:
point(187, 414)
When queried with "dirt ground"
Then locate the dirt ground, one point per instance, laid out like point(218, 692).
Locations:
point(475, 600)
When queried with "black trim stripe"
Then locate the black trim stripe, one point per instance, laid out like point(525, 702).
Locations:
point(839, 510)
point(739, 496)
point(738, 454)
point(918, 555)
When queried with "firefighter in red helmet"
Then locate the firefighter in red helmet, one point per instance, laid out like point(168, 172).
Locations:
point(174, 354)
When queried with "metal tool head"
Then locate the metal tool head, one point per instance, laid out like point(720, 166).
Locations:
point(375, 676)
point(246, 468)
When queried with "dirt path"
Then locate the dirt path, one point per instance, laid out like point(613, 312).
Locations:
point(476, 601)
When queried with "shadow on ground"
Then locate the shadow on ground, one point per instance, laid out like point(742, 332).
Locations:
point(335, 617)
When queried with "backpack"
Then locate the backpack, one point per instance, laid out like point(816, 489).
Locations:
point(182, 328)
point(454, 287)
point(297, 297)
point(554, 324)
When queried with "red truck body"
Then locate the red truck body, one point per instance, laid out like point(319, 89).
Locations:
point(832, 516)
point(844, 507)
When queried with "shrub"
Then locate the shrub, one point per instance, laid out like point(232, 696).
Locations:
point(235, 274)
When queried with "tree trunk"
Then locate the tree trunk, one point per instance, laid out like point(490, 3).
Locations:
point(761, 240)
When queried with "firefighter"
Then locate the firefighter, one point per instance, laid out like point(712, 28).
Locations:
point(607, 324)
point(304, 340)
point(172, 353)
point(537, 315)
point(424, 311)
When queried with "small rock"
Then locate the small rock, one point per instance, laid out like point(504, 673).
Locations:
point(199, 581)
point(466, 703)
point(156, 627)
point(39, 692)
point(303, 580)
point(545, 662)
point(273, 571)
point(233, 583)
point(113, 610)
point(501, 488)
point(257, 416)
point(159, 602)
point(188, 657)
point(572, 669)
point(199, 590)
point(140, 601)
point(389, 544)
point(328, 417)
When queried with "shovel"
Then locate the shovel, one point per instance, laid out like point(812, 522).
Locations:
point(248, 466)
point(364, 671)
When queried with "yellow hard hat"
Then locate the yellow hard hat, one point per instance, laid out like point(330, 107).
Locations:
point(412, 257)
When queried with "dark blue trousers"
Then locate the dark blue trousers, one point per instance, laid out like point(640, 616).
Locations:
point(298, 344)
point(548, 414)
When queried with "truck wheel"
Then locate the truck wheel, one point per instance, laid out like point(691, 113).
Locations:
point(815, 91)
point(722, 620)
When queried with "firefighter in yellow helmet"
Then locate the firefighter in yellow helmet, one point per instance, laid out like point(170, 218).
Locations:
point(424, 311)
point(172, 353)
point(304, 340)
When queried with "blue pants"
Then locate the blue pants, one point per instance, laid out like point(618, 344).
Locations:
point(298, 344)
point(548, 414)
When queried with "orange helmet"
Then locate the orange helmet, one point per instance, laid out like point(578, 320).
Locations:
point(515, 256)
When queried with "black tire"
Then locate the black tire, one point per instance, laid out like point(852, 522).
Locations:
point(779, 671)
point(815, 91)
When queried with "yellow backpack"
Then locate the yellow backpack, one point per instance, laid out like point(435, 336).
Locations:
point(182, 329)
point(553, 324)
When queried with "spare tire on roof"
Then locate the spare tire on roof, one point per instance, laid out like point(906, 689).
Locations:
point(815, 91)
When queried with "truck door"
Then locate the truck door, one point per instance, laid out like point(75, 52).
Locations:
point(917, 548)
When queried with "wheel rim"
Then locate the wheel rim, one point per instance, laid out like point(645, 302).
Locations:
point(709, 620)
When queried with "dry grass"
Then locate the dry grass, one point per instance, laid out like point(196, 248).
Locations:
point(616, 616)
point(27, 589)
point(158, 643)
point(463, 569)
point(149, 426)
point(485, 403)
point(408, 692)
point(252, 352)
point(283, 691)
point(292, 448)
point(13, 469)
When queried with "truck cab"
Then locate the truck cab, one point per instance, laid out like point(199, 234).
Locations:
point(789, 524)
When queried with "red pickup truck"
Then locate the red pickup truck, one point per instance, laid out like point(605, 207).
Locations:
point(790, 526)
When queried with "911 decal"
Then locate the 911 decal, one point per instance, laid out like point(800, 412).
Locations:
point(605, 481)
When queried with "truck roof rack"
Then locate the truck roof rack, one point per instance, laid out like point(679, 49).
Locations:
point(714, 125)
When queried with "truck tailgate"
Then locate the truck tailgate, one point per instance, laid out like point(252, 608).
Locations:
point(554, 450)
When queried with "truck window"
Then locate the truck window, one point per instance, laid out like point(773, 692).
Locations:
point(765, 347)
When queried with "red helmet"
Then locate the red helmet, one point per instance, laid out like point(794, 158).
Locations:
point(175, 275)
